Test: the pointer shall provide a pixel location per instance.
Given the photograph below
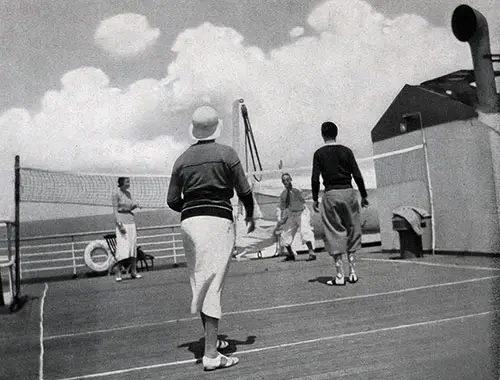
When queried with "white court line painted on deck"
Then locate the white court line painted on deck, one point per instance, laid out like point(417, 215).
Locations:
point(143, 325)
point(285, 345)
point(431, 264)
point(42, 351)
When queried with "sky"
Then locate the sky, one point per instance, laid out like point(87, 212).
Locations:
point(110, 86)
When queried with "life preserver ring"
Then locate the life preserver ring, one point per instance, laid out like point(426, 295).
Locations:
point(96, 247)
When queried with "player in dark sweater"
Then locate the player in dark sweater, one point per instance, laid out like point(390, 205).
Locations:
point(203, 180)
point(340, 211)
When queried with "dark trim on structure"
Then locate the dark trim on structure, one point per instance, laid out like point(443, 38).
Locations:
point(434, 109)
point(371, 244)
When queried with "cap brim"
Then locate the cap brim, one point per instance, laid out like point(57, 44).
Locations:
point(213, 136)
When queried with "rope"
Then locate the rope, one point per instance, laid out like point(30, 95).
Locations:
point(250, 145)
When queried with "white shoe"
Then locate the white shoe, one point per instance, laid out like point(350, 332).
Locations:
point(338, 281)
point(353, 278)
point(118, 279)
point(221, 361)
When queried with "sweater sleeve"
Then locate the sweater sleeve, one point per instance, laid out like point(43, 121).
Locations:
point(356, 174)
point(248, 203)
point(240, 181)
point(241, 185)
point(174, 196)
point(315, 177)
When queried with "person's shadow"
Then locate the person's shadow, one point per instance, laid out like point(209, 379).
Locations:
point(322, 279)
point(198, 347)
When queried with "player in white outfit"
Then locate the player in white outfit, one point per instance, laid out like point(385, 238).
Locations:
point(293, 216)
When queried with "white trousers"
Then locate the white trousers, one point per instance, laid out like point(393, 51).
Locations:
point(208, 244)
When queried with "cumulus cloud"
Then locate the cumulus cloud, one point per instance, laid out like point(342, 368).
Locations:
point(296, 32)
point(348, 69)
point(125, 35)
point(89, 126)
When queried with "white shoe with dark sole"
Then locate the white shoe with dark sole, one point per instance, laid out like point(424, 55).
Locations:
point(219, 362)
point(337, 281)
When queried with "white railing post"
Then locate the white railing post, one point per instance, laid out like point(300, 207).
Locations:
point(73, 255)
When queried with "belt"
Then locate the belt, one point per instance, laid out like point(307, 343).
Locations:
point(125, 212)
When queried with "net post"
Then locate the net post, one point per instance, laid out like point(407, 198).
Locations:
point(17, 198)
point(17, 301)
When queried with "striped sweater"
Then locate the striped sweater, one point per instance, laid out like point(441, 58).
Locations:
point(204, 179)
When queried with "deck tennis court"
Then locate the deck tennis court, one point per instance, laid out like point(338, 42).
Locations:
point(430, 318)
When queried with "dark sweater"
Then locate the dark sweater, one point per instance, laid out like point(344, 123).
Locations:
point(337, 166)
point(204, 179)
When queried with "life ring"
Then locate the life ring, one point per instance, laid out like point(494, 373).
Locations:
point(98, 247)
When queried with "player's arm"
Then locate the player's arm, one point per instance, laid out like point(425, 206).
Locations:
point(134, 206)
point(281, 208)
point(300, 194)
point(174, 195)
point(243, 189)
point(315, 181)
point(282, 211)
point(279, 212)
point(114, 202)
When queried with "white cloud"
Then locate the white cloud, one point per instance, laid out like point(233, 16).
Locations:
point(296, 32)
point(347, 70)
point(125, 35)
point(89, 126)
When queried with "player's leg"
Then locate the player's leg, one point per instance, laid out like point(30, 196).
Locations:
point(339, 268)
point(333, 209)
point(132, 236)
point(211, 326)
point(287, 236)
point(354, 234)
point(118, 272)
point(306, 233)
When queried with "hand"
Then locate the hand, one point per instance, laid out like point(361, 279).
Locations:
point(364, 202)
point(250, 223)
point(122, 228)
point(281, 222)
point(316, 206)
point(277, 229)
